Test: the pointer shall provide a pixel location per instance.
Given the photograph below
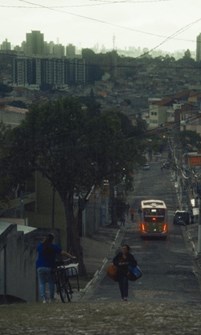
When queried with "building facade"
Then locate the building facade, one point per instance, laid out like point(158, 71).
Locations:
point(48, 71)
point(34, 44)
point(157, 113)
point(198, 48)
point(70, 51)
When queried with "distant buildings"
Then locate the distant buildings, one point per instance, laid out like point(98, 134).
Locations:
point(6, 46)
point(198, 48)
point(34, 45)
point(70, 51)
point(157, 112)
point(56, 72)
point(38, 63)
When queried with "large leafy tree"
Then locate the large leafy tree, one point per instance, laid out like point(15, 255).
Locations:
point(74, 149)
point(6, 182)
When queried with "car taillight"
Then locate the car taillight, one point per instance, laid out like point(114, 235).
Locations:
point(165, 227)
point(142, 227)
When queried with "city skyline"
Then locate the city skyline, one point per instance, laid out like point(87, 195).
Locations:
point(152, 24)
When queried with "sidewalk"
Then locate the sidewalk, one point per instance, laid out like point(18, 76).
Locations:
point(191, 235)
point(98, 247)
point(97, 251)
point(92, 318)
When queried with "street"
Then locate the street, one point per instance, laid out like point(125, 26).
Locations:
point(165, 300)
point(167, 265)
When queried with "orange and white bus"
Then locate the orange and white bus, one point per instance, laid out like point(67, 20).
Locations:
point(153, 218)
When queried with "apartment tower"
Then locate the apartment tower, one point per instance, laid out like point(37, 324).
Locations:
point(198, 48)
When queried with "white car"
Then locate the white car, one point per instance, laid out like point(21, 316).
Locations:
point(146, 166)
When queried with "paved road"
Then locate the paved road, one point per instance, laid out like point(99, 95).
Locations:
point(166, 300)
point(168, 266)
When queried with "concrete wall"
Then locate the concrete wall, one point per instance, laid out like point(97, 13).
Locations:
point(17, 262)
point(17, 265)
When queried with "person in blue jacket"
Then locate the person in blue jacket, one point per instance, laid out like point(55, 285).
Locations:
point(123, 260)
point(45, 263)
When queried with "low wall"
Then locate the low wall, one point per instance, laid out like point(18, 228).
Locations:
point(17, 263)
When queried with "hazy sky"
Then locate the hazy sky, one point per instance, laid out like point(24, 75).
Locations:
point(162, 24)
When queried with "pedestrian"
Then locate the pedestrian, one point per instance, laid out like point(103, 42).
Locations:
point(127, 208)
point(45, 263)
point(122, 220)
point(132, 212)
point(123, 260)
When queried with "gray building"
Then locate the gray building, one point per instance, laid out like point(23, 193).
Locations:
point(48, 70)
point(70, 51)
point(34, 44)
point(23, 71)
point(5, 45)
point(198, 48)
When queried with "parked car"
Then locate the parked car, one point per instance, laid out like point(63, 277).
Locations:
point(181, 217)
point(146, 166)
point(165, 165)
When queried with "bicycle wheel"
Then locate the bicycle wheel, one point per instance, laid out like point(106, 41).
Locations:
point(64, 295)
point(64, 288)
point(69, 288)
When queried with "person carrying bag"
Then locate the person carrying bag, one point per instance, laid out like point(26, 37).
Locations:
point(123, 261)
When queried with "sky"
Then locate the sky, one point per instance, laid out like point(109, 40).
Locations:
point(167, 25)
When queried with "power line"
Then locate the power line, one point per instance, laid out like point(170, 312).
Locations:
point(110, 24)
point(130, 1)
point(98, 3)
point(179, 31)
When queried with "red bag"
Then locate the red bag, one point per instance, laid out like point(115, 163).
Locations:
point(112, 272)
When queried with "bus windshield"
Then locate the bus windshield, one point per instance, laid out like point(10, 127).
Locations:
point(153, 218)
point(158, 219)
point(154, 212)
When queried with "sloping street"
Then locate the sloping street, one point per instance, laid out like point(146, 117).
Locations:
point(165, 300)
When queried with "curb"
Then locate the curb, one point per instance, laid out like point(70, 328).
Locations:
point(100, 272)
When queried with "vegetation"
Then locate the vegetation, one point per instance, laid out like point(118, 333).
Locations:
point(74, 147)
point(4, 89)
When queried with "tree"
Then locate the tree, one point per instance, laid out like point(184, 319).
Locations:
point(5, 179)
point(4, 89)
point(74, 150)
point(187, 60)
point(187, 54)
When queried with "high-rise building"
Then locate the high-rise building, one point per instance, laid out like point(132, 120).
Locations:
point(76, 71)
point(70, 51)
point(23, 71)
point(198, 48)
point(34, 45)
point(51, 71)
point(48, 71)
point(5, 45)
point(58, 50)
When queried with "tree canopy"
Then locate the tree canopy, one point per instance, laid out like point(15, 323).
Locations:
point(71, 147)
point(75, 148)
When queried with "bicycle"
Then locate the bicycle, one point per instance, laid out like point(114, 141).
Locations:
point(62, 274)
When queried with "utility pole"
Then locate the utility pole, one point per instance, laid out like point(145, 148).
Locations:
point(199, 228)
point(194, 159)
